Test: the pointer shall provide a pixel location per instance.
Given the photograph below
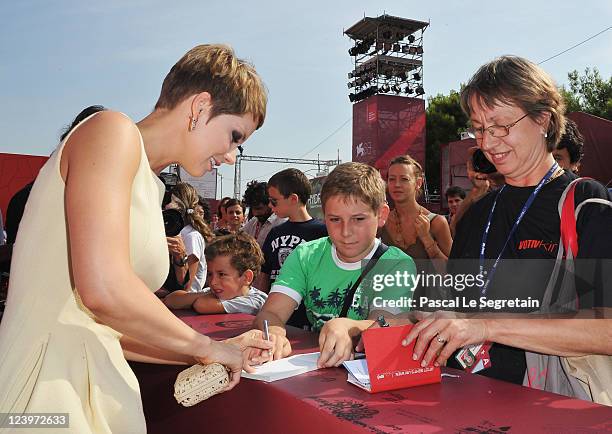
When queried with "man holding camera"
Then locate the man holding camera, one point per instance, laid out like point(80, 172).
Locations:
point(484, 177)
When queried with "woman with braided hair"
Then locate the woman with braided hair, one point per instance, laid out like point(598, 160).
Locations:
point(195, 234)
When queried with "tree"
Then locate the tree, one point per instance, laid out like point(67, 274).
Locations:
point(589, 93)
point(444, 122)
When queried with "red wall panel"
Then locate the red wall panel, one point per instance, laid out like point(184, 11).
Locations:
point(17, 170)
point(597, 133)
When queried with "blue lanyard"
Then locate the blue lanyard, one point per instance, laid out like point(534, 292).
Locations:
point(485, 235)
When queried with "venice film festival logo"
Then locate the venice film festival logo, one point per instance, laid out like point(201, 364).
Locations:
point(363, 149)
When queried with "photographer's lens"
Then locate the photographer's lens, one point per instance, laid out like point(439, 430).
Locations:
point(173, 222)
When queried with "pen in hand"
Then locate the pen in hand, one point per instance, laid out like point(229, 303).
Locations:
point(266, 331)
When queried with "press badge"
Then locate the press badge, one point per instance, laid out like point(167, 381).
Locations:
point(474, 358)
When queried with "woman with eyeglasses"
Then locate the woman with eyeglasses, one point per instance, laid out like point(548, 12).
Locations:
point(537, 312)
point(84, 271)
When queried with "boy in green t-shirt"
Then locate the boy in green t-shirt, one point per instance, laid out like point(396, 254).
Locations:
point(320, 273)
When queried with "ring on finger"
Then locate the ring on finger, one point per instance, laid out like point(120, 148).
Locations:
point(441, 340)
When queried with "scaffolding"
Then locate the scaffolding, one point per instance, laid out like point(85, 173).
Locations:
point(322, 165)
point(388, 56)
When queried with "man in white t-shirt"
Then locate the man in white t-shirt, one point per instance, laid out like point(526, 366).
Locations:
point(262, 219)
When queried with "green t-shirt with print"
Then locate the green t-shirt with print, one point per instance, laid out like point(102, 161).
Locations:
point(313, 274)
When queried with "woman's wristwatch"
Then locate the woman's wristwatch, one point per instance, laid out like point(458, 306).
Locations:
point(181, 262)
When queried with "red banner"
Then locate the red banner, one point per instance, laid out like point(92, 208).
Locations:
point(385, 126)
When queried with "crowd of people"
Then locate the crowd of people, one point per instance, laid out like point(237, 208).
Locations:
point(90, 279)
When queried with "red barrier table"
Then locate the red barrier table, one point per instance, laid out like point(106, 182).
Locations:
point(323, 402)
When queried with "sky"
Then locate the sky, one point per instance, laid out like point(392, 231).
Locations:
point(59, 56)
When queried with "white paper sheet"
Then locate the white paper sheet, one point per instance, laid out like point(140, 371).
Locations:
point(284, 368)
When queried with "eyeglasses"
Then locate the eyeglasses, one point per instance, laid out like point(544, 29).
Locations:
point(493, 130)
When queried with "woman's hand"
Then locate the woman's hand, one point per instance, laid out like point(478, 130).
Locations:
point(234, 354)
point(422, 227)
point(440, 334)
point(176, 247)
point(228, 355)
point(256, 350)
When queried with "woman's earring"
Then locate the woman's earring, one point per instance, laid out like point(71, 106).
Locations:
point(545, 134)
point(192, 123)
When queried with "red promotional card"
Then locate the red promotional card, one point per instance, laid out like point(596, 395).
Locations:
point(389, 364)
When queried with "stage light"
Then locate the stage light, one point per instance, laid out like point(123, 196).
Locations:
point(411, 38)
point(420, 90)
point(351, 75)
point(352, 97)
point(412, 50)
point(396, 88)
point(419, 50)
point(384, 88)
point(350, 84)
point(370, 92)
point(416, 76)
point(396, 48)
point(405, 49)
point(408, 90)
point(362, 47)
point(352, 51)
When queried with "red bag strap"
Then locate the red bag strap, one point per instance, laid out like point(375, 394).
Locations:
point(569, 236)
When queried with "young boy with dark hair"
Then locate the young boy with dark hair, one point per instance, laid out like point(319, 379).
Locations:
point(320, 273)
point(233, 263)
point(288, 192)
point(454, 197)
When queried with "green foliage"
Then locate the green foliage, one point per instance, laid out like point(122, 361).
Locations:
point(589, 93)
point(445, 121)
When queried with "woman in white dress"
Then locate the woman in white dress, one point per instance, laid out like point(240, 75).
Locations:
point(91, 251)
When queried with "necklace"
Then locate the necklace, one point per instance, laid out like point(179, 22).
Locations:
point(399, 238)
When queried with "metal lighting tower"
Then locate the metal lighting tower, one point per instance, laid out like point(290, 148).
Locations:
point(388, 54)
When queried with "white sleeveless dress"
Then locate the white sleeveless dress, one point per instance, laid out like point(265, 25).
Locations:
point(54, 357)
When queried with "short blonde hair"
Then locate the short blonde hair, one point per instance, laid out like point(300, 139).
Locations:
point(357, 181)
point(416, 168)
point(234, 85)
point(518, 81)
